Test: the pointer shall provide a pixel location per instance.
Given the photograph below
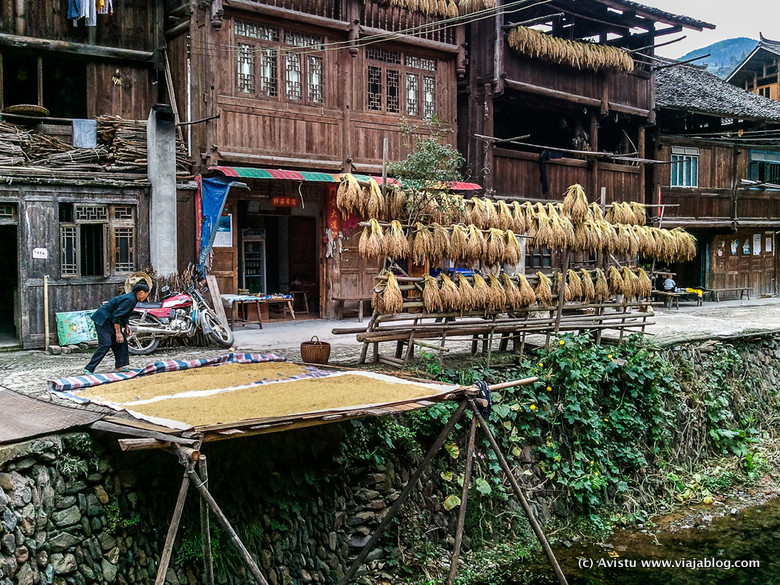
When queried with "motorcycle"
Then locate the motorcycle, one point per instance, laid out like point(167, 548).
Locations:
point(178, 315)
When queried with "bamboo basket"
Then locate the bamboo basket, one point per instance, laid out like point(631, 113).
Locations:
point(315, 351)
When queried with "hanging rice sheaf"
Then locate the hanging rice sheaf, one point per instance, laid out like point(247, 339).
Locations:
point(491, 213)
point(371, 243)
point(519, 224)
point(601, 287)
point(396, 245)
point(498, 298)
point(469, 6)
point(645, 286)
point(644, 236)
point(527, 294)
point(431, 296)
point(543, 290)
point(441, 242)
point(631, 283)
point(395, 203)
point(512, 252)
point(575, 285)
point(421, 243)
point(580, 55)
point(513, 297)
point(640, 212)
point(495, 246)
point(685, 244)
point(459, 239)
point(476, 213)
point(372, 201)
point(627, 233)
point(348, 195)
point(504, 219)
point(595, 212)
point(450, 297)
point(615, 281)
point(567, 296)
point(476, 244)
point(543, 232)
point(452, 9)
point(468, 299)
point(608, 236)
point(585, 236)
point(481, 292)
point(588, 290)
point(392, 299)
point(561, 229)
point(575, 204)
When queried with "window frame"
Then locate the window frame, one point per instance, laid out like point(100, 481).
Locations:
point(537, 256)
point(764, 166)
point(402, 67)
point(684, 170)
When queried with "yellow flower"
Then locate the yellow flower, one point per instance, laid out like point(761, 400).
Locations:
point(533, 407)
point(541, 365)
point(562, 342)
point(609, 356)
point(592, 462)
point(596, 473)
point(606, 420)
point(549, 388)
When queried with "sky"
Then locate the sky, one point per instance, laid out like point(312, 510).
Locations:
point(732, 18)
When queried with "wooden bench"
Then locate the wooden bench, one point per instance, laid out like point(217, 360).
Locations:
point(340, 301)
point(742, 290)
point(672, 299)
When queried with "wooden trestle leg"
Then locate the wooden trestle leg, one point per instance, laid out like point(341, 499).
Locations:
point(463, 501)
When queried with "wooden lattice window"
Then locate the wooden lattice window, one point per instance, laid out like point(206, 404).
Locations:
point(8, 213)
point(395, 84)
point(246, 68)
point(540, 258)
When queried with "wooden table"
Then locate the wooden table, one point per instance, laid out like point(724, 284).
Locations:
point(238, 304)
point(356, 299)
point(672, 299)
point(285, 301)
point(742, 290)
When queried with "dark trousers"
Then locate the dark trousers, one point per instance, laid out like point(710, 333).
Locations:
point(107, 340)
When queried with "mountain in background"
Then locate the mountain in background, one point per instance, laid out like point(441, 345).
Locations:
point(724, 55)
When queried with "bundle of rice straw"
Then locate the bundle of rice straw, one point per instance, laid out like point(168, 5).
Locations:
point(544, 235)
point(685, 244)
point(640, 212)
point(395, 203)
point(450, 297)
point(601, 287)
point(348, 195)
point(595, 212)
point(575, 204)
point(531, 224)
point(608, 236)
point(431, 296)
point(575, 285)
point(441, 242)
point(468, 298)
point(392, 299)
point(481, 292)
point(498, 300)
point(630, 283)
point(377, 302)
point(395, 244)
point(627, 239)
point(504, 219)
point(586, 238)
point(513, 297)
point(495, 246)
point(527, 295)
point(644, 236)
point(645, 286)
point(371, 241)
point(421, 243)
point(459, 239)
point(491, 213)
point(615, 281)
point(543, 290)
point(476, 244)
point(561, 229)
point(476, 213)
point(588, 290)
point(452, 9)
point(512, 250)
point(373, 200)
point(559, 281)
point(518, 218)
point(621, 212)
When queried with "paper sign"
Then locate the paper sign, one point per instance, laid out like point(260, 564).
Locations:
point(40, 253)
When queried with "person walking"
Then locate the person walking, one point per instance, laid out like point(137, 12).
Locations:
point(111, 324)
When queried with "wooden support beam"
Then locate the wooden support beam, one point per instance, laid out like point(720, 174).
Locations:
point(463, 502)
point(205, 527)
point(173, 528)
point(23, 42)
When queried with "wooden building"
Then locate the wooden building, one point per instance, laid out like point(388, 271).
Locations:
point(287, 89)
point(759, 72)
point(562, 92)
point(722, 180)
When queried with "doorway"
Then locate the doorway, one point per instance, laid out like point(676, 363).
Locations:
point(9, 285)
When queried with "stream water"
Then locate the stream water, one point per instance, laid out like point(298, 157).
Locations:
point(734, 549)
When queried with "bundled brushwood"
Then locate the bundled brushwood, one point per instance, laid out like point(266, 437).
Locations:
point(431, 296)
point(450, 297)
point(495, 246)
point(601, 287)
point(575, 204)
point(348, 195)
point(498, 298)
point(519, 222)
point(504, 219)
point(371, 243)
point(395, 244)
point(575, 285)
point(588, 290)
point(595, 212)
point(640, 212)
point(615, 281)
point(75, 158)
point(481, 292)
point(512, 252)
point(631, 284)
point(543, 290)
point(476, 244)
point(580, 55)
point(420, 243)
point(560, 282)
point(392, 299)
point(459, 242)
point(514, 299)
point(441, 243)
point(645, 285)
point(468, 298)
point(527, 294)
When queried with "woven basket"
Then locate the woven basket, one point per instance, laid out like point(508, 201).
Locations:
point(315, 351)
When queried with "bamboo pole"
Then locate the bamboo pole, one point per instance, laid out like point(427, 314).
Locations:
point(205, 528)
point(463, 503)
point(173, 528)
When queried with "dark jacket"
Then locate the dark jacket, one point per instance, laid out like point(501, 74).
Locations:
point(117, 310)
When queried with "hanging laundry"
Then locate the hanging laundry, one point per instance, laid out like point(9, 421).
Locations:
point(88, 12)
point(74, 10)
point(106, 7)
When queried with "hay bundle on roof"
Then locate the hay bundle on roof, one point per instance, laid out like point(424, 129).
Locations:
point(518, 218)
point(527, 294)
point(371, 243)
point(588, 290)
point(584, 56)
point(450, 297)
point(468, 299)
point(431, 296)
point(543, 290)
point(513, 297)
point(420, 243)
point(395, 244)
point(476, 244)
point(575, 285)
point(645, 286)
point(481, 292)
point(575, 204)
point(348, 195)
point(560, 282)
point(459, 239)
point(601, 287)
point(440, 247)
point(495, 246)
point(498, 298)
point(512, 252)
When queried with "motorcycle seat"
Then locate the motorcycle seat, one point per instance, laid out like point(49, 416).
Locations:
point(148, 305)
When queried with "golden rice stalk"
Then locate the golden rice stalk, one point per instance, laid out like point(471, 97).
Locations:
point(495, 246)
point(431, 296)
point(588, 290)
point(376, 201)
point(459, 239)
point(575, 285)
point(371, 243)
point(481, 293)
point(543, 290)
point(608, 236)
point(421, 243)
point(686, 244)
point(441, 242)
point(527, 294)
point(575, 204)
point(644, 236)
point(477, 214)
point(601, 287)
point(567, 296)
point(468, 298)
point(476, 243)
point(615, 281)
point(518, 218)
point(450, 297)
point(441, 8)
point(395, 244)
point(504, 219)
point(392, 299)
point(491, 213)
point(561, 229)
point(452, 9)
point(543, 232)
point(665, 244)
point(512, 252)
point(498, 297)
point(583, 236)
point(630, 283)
point(595, 212)
point(645, 285)
point(395, 201)
point(631, 239)
point(348, 195)
point(640, 212)
point(377, 302)
point(513, 297)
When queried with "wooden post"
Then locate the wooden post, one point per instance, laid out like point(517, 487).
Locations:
point(46, 312)
point(410, 485)
point(205, 528)
point(165, 558)
point(216, 300)
point(384, 170)
point(521, 497)
point(463, 502)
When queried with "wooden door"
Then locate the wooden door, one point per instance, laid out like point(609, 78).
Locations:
point(357, 274)
point(224, 265)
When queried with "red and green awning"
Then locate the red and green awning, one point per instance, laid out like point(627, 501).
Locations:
point(282, 174)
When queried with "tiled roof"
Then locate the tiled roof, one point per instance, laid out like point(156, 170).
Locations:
point(660, 15)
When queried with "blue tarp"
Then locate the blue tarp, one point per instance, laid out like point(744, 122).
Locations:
point(214, 194)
